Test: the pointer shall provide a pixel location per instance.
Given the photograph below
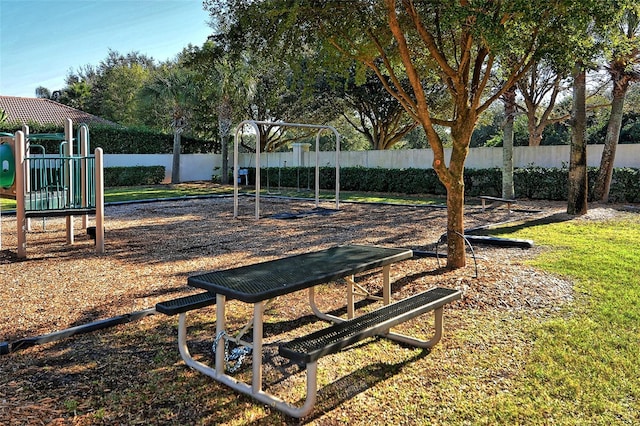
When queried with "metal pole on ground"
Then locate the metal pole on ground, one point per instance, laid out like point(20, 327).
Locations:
point(337, 135)
point(317, 183)
point(258, 142)
point(9, 347)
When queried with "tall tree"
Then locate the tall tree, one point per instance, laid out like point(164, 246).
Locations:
point(381, 118)
point(510, 107)
point(43, 93)
point(540, 89)
point(224, 77)
point(282, 92)
point(624, 69)
point(176, 90)
point(454, 44)
point(578, 190)
point(586, 46)
point(121, 85)
point(109, 89)
point(76, 94)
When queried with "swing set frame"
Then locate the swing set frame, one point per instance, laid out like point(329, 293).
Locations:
point(256, 127)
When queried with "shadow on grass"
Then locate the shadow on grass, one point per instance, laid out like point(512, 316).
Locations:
point(277, 369)
point(336, 393)
point(128, 375)
point(518, 226)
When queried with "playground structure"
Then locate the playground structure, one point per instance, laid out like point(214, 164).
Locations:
point(255, 125)
point(53, 185)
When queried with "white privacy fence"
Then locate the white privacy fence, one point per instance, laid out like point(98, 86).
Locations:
point(195, 167)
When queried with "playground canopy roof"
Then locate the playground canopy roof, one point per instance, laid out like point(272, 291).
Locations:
point(21, 110)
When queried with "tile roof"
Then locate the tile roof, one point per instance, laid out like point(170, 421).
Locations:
point(45, 111)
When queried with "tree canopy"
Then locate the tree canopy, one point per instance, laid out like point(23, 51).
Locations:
point(383, 66)
point(474, 50)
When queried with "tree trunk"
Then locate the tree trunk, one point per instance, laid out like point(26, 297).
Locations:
point(535, 135)
point(224, 151)
point(453, 180)
point(578, 189)
point(456, 250)
point(509, 99)
point(535, 138)
point(175, 167)
point(603, 179)
point(225, 111)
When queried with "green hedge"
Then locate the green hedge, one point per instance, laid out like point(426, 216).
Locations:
point(625, 185)
point(531, 182)
point(119, 140)
point(131, 176)
point(115, 140)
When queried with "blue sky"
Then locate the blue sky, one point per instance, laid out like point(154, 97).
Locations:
point(41, 41)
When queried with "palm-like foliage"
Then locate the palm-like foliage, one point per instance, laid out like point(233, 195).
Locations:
point(624, 69)
point(171, 95)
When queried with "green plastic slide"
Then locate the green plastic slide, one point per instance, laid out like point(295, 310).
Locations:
point(7, 166)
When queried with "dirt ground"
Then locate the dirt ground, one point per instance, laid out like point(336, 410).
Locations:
point(151, 249)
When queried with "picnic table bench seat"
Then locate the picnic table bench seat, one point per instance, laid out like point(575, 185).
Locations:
point(332, 339)
point(186, 303)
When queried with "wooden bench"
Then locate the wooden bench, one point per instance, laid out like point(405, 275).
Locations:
point(507, 201)
point(186, 303)
point(311, 347)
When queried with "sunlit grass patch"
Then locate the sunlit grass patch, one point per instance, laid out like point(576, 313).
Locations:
point(583, 367)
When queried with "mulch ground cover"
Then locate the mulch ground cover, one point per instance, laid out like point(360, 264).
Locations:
point(151, 249)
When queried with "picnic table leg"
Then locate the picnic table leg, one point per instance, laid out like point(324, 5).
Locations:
point(220, 330)
point(258, 313)
point(254, 390)
point(316, 311)
point(354, 289)
point(182, 336)
point(350, 303)
point(386, 284)
point(420, 343)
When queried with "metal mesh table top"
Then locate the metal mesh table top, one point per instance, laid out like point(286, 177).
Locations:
point(262, 281)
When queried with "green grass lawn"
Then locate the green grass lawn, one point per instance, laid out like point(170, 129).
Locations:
point(132, 193)
point(150, 192)
point(6, 204)
point(583, 368)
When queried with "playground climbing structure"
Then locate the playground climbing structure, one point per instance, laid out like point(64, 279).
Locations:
point(68, 184)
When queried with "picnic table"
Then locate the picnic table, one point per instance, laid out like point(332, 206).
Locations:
point(258, 283)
